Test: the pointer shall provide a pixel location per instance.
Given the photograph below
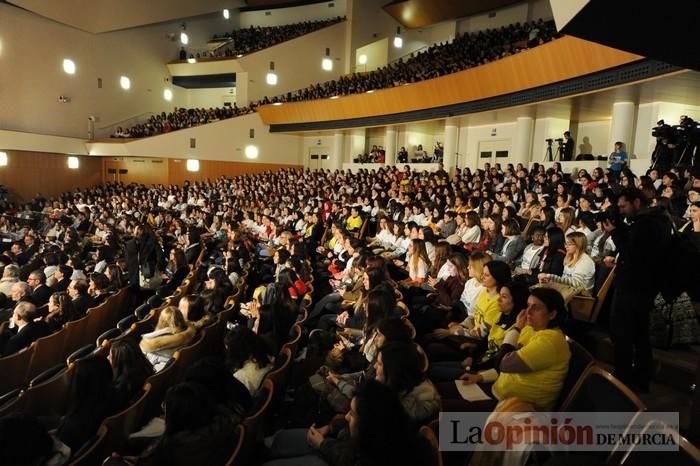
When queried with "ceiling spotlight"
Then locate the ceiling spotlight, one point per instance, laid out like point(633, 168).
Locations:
point(327, 63)
point(398, 41)
point(226, 13)
point(125, 83)
point(68, 66)
point(168, 95)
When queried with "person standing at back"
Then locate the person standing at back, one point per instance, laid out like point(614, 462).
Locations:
point(643, 240)
point(617, 160)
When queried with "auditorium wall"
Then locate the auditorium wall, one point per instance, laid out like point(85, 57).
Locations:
point(31, 76)
point(223, 141)
point(297, 64)
point(591, 137)
point(519, 13)
point(29, 173)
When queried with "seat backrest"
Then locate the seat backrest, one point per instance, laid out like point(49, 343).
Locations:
point(580, 361)
point(49, 351)
point(235, 458)
point(255, 423)
point(428, 434)
point(293, 344)
point(600, 391)
point(107, 336)
point(404, 309)
point(14, 369)
point(160, 382)
point(13, 403)
point(93, 453)
point(120, 425)
point(280, 374)
point(142, 326)
point(213, 336)
point(628, 455)
point(50, 398)
point(603, 293)
point(189, 354)
point(77, 335)
point(97, 319)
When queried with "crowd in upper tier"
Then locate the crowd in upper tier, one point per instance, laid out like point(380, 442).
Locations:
point(414, 280)
point(465, 51)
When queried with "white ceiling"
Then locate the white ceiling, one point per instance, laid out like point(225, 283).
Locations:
point(110, 15)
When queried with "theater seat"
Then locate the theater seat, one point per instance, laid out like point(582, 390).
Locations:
point(125, 324)
point(80, 353)
point(108, 335)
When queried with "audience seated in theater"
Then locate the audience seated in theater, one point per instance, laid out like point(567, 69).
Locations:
point(130, 368)
point(60, 310)
point(82, 301)
point(192, 309)
point(26, 329)
point(172, 332)
point(248, 357)
point(376, 430)
point(10, 276)
point(93, 397)
point(579, 268)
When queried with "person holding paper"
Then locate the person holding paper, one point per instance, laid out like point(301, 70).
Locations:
point(534, 371)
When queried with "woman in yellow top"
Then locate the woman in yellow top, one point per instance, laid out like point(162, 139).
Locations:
point(354, 221)
point(446, 344)
point(535, 368)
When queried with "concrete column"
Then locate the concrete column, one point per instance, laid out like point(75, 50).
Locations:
point(449, 158)
point(390, 145)
point(522, 141)
point(356, 144)
point(622, 125)
point(337, 154)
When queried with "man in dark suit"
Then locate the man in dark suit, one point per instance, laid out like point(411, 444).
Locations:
point(567, 147)
point(40, 291)
point(62, 276)
point(78, 291)
point(193, 248)
point(27, 329)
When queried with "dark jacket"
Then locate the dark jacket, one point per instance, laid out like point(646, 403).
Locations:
point(643, 246)
point(62, 285)
point(41, 295)
point(81, 304)
point(25, 337)
point(192, 253)
point(142, 256)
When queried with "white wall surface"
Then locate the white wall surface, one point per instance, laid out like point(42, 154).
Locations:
point(592, 138)
point(318, 145)
point(297, 63)
point(223, 140)
point(475, 135)
point(210, 97)
point(280, 16)
point(32, 78)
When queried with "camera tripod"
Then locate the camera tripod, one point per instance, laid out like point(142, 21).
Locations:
point(691, 150)
point(548, 157)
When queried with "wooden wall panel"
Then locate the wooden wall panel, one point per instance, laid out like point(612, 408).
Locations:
point(141, 170)
point(559, 60)
point(29, 173)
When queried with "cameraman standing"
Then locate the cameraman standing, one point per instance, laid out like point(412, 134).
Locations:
point(567, 149)
point(643, 241)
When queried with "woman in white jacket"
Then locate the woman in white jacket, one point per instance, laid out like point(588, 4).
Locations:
point(579, 268)
point(171, 334)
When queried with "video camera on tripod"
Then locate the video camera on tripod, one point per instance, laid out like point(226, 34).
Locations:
point(684, 138)
point(548, 155)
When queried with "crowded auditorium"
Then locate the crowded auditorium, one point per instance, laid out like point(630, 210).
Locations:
point(348, 233)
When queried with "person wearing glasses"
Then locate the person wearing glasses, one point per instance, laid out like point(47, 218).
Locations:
point(579, 268)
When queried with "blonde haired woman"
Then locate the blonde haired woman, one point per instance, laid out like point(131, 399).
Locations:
point(474, 287)
point(566, 220)
point(579, 268)
point(172, 332)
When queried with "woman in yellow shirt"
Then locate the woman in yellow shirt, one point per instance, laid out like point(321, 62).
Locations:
point(535, 368)
point(445, 344)
point(354, 221)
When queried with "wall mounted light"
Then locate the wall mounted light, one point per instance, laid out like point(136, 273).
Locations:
point(226, 13)
point(125, 83)
point(398, 41)
point(362, 59)
point(68, 66)
point(327, 63)
point(192, 165)
point(73, 163)
point(3, 159)
point(271, 77)
point(168, 94)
